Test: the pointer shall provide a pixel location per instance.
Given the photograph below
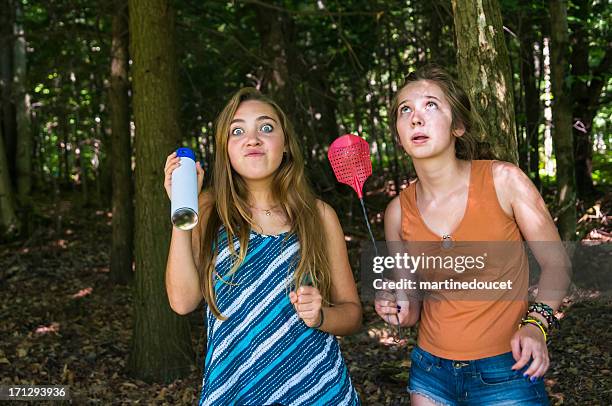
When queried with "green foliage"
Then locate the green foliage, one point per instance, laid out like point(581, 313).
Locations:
point(602, 155)
point(346, 59)
point(603, 174)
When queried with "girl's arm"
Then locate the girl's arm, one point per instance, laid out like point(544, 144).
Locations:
point(344, 316)
point(409, 310)
point(520, 199)
point(182, 280)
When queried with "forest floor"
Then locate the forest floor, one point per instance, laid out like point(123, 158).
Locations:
point(64, 323)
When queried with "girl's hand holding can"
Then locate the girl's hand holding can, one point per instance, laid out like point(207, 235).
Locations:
point(173, 162)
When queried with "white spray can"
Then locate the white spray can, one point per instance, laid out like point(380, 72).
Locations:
point(184, 205)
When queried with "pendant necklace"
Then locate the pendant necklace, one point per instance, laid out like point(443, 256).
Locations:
point(267, 212)
point(447, 241)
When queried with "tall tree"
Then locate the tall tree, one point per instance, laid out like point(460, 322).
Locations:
point(276, 30)
point(9, 224)
point(562, 120)
point(123, 211)
point(276, 67)
point(484, 69)
point(22, 103)
point(161, 343)
point(531, 96)
point(587, 83)
point(322, 106)
point(9, 124)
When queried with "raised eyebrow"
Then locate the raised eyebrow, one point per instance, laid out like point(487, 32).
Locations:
point(236, 120)
point(260, 118)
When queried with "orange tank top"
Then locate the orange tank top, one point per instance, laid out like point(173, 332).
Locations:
point(466, 329)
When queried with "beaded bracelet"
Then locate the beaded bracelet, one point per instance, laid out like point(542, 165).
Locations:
point(536, 323)
point(545, 311)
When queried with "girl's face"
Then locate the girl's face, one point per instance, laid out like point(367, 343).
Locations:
point(424, 120)
point(256, 140)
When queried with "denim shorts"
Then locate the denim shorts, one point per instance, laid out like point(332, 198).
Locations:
point(486, 381)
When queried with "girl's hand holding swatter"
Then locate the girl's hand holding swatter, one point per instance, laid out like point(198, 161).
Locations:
point(391, 310)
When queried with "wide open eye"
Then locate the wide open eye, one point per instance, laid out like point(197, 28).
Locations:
point(266, 128)
point(237, 131)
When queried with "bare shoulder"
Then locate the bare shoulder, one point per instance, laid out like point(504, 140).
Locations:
point(394, 208)
point(509, 178)
point(393, 220)
point(327, 213)
point(513, 186)
point(507, 174)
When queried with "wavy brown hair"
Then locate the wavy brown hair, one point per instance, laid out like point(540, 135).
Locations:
point(230, 209)
point(468, 146)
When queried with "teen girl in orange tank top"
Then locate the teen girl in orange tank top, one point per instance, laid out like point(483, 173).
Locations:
point(469, 352)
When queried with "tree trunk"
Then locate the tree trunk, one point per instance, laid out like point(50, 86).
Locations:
point(8, 121)
point(522, 137)
point(121, 156)
point(82, 170)
point(583, 149)
point(23, 164)
point(161, 343)
point(585, 97)
point(323, 105)
point(321, 125)
point(432, 36)
point(276, 31)
point(9, 224)
point(484, 70)
point(584, 116)
point(396, 166)
point(374, 134)
point(65, 151)
point(531, 100)
point(562, 120)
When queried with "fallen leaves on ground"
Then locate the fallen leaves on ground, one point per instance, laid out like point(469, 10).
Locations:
point(65, 323)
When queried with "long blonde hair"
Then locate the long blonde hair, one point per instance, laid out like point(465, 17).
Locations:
point(231, 208)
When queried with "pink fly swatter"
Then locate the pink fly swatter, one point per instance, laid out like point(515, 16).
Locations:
point(349, 156)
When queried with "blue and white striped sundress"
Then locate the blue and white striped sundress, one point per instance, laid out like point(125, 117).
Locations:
point(263, 354)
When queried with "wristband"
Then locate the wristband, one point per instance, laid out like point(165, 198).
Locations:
point(322, 319)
